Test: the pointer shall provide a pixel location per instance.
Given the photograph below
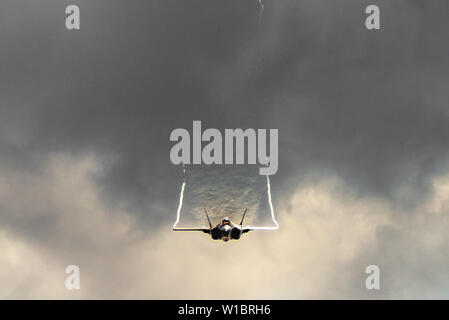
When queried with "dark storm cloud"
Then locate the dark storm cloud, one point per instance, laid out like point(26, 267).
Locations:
point(119, 86)
point(368, 106)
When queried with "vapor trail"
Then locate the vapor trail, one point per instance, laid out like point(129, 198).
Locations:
point(270, 202)
point(261, 10)
point(181, 197)
point(271, 209)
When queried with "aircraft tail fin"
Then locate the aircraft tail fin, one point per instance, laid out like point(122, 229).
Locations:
point(208, 220)
point(244, 213)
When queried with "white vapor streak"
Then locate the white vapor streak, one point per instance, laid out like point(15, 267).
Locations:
point(181, 197)
point(271, 209)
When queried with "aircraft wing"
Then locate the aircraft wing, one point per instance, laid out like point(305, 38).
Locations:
point(205, 230)
point(248, 229)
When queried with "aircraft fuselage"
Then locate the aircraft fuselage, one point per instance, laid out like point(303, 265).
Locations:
point(226, 230)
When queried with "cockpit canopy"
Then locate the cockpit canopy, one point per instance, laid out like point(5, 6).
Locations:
point(226, 221)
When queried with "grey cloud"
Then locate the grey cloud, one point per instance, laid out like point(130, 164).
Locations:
point(368, 105)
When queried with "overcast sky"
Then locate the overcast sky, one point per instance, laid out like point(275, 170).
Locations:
point(85, 120)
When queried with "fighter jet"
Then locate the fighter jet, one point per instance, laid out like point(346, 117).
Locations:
point(225, 230)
